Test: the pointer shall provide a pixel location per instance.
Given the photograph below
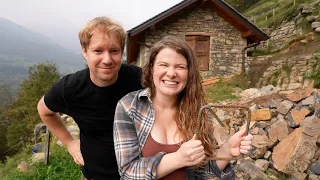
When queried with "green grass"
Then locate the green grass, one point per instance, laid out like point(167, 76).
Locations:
point(61, 166)
point(219, 91)
point(271, 13)
point(315, 73)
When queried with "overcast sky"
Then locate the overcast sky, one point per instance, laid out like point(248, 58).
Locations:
point(61, 20)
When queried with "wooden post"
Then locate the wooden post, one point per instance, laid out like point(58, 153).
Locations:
point(294, 2)
point(35, 137)
point(273, 12)
point(47, 147)
point(22, 143)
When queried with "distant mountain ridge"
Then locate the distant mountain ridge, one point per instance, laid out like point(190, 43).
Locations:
point(21, 46)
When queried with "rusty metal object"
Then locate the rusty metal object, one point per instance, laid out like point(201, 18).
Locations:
point(209, 107)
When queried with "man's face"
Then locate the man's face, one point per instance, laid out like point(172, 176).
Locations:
point(103, 56)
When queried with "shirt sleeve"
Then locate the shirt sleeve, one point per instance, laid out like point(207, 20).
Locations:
point(126, 144)
point(54, 98)
point(227, 173)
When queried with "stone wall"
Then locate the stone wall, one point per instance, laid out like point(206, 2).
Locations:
point(289, 73)
point(226, 43)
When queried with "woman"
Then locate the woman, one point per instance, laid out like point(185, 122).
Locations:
point(154, 128)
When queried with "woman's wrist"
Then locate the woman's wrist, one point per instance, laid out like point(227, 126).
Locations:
point(224, 151)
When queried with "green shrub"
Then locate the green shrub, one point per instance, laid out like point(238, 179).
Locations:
point(315, 73)
point(61, 166)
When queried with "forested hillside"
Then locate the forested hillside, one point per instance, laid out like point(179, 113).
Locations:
point(21, 48)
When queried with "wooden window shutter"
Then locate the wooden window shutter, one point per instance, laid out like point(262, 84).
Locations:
point(201, 48)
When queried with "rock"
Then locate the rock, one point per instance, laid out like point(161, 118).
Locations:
point(315, 168)
point(73, 128)
point(273, 104)
point(286, 92)
point(64, 118)
point(262, 164)
point(208, 17)
point(298, 114)
point(239, 114)
point(254, 131)
point(267, 155)
point(299, 176)
point(59, 143)
point(317, 29)
point(278, 131)
point(305, 8)
point(254, 107)
point(220, 134)
point(295, 152)
point(260, 141)
point(312, 18)
point(261, 115)
point(299, 94)
point(318, 141)
point(36, 157)
point(70, 119)
point(285, 107)
point(23, 166)
point(309, 101)
point(251, 169)
point(313, 177)
point(315, 25)
point(296, 85)
point(270, 89)
point(258, 152)
point(41, 128)
point(311, 126)
point(317, 155)
point(250, 93)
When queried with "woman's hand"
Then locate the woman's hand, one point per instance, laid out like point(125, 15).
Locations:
point(190, 153)
point(239, 143)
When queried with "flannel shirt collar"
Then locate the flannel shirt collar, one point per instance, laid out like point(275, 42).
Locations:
point(146, 93)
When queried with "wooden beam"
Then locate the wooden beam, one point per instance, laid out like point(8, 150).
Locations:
point(246, 33)
point(200, 34)
point(203, 3)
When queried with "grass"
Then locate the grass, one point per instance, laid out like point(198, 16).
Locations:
point(271, 13)
point(224, 90)
point(61, 166)
point(315, 73)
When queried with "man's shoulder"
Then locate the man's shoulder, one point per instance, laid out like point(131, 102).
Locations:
point(76, 77)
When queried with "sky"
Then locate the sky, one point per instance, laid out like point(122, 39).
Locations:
point(61, 20)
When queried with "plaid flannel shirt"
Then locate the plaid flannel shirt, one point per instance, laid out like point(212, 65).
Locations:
point(134, 118)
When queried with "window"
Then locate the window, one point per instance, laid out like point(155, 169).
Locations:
point(201, 49)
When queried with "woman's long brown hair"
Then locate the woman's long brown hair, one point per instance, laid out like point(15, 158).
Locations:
point(190, 99)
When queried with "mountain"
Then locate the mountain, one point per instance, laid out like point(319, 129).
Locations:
point(21, 48)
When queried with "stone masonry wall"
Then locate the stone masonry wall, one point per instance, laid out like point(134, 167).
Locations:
point(288, 74)
point(226, 43)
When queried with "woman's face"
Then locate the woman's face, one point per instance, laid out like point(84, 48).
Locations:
point(170, 73)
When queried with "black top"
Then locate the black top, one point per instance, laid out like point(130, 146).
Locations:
point(93, 109)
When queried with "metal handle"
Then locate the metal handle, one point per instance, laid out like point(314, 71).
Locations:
point(209, 107)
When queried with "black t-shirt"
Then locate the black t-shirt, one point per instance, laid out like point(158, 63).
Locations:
point(93, 109)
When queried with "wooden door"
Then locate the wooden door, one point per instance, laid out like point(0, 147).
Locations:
point(201, 49)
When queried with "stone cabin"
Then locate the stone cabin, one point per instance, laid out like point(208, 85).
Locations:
point(218, 34)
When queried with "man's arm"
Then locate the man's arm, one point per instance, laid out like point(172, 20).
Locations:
point(54, 123)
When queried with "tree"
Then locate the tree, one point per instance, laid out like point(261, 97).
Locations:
point(23, 115)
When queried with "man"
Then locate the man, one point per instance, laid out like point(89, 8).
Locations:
point(90, 97)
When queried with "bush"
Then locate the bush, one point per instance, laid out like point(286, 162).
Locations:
point(61, 166)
